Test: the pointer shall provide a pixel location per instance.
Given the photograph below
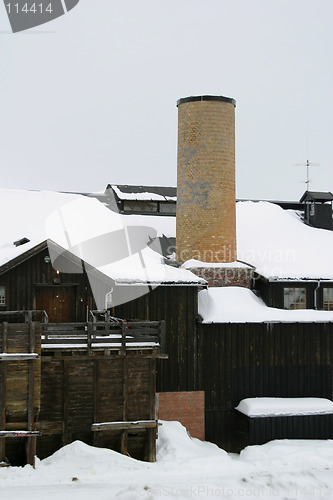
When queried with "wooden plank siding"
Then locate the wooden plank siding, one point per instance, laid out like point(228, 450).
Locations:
point(177, 305)
point(78, 391)
point(23, 282)
point(260, 360)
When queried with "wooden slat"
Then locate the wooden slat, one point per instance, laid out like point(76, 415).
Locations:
point(17, 433)
point(19, 357)
point(113, 426)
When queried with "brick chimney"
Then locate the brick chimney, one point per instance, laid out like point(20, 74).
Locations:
point(206, 204)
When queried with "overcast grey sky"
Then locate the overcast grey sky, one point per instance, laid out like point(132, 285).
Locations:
point(90, 98)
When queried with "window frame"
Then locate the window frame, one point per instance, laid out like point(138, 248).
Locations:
point(329, 300)
point(3, 294)
point(293, 298)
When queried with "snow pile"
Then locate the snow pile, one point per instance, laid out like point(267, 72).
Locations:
point(241, 305)
point(175, 444)
point(273, 407)
point(186, 468)
point(280, 245)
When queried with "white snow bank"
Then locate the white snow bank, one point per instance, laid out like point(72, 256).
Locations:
point(174, 444)
point(241, 305)
point(280, 245)
point(185, 469)
point(295, 455)
point(273, 407)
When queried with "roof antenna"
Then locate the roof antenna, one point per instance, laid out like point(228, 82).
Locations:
point(308, 163)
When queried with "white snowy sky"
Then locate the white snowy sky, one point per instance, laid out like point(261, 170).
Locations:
point(90, 98)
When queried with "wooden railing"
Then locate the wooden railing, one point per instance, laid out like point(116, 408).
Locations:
point(99, 334)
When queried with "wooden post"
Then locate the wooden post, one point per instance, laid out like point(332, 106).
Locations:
point(65, 402)
point(3, 393)
point(124, 435)
point(123, 339)
point(31, 443)
point(151, 433)
point(96, 439)
point(162, 337)
point(89, 337)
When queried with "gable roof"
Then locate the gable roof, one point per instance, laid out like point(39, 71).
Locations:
point(113, 244)
point(316, 196)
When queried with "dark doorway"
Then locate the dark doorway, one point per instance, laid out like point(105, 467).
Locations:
point(57, 301)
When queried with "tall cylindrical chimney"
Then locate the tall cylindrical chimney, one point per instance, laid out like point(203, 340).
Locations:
point(206, 204)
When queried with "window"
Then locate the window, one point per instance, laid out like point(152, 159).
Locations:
point(294, 298)
point(140, 206)
point(328, 299)
point(167, 207)
point(2, 295)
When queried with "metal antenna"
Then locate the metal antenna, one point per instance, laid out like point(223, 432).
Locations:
point(307, 165)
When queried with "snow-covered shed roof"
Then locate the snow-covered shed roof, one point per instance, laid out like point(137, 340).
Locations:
point(114, 244)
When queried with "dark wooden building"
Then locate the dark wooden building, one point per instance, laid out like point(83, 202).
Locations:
point(318, 209)
point(295, 294)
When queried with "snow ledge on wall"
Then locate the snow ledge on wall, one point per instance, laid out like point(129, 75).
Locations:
point(240, 305)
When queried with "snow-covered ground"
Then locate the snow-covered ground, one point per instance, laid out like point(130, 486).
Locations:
point(185, 469)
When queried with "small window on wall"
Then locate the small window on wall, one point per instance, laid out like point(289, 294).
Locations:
point(294, 298)
point(2, 295)
point(328, 299)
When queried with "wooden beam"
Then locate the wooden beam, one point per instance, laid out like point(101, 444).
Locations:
point(114, 426)
point(18, 356)
point(16, 434)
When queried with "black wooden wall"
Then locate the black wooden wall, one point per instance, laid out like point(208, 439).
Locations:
point(241, 360)
point(177, 305)
point(233, 361)
point(21, 280)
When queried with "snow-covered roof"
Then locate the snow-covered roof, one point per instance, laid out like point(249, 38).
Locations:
point(275, 407)
point(241, 305)
point(274, 241)
point(280, 245)
point(144, 193)
point(112, 243)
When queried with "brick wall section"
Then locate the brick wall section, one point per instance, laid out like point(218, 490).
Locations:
point(188, 408)
point(221, 276)
point(206, 206)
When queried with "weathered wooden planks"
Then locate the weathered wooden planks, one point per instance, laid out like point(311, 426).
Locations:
point(20, 385)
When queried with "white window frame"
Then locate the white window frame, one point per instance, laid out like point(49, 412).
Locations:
point(294, 297)
point(327, 298)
